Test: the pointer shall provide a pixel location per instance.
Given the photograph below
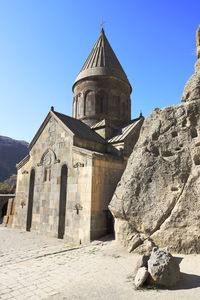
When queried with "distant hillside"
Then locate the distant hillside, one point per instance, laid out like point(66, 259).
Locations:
point(11, 152)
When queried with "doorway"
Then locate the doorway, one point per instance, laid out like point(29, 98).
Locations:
point(62, 202)
point(30, 200)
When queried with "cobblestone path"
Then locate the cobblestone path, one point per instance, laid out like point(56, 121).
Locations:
point(39, 267)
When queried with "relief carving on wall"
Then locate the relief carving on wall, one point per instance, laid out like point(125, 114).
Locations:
point(77, 207)
point(78, 165)
point(48, 158)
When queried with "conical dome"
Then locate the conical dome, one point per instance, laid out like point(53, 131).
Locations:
point(102, 61)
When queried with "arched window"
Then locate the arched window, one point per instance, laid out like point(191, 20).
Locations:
point(30, 200)
point(80, 105)
point(62, 202)
point(90, 103)
point(101, 102)
point(123, 105)
point(47, 173)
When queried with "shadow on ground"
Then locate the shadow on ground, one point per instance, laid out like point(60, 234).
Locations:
point(188, 281)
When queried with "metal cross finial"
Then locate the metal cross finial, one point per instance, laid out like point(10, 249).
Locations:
point(102, 23)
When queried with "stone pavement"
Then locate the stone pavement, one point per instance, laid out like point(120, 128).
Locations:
point(39, 267)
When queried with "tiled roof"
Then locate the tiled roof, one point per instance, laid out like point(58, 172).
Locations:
point(102, 61)
point(75, 126)
point(124, 131)
point(103, 123)
point(79, 128)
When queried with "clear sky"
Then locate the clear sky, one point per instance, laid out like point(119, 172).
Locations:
point(44, 44)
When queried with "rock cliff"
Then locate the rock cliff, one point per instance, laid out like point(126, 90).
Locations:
point(157, 200)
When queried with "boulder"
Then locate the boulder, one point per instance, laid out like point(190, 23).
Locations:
point(157, 199)
point(142, 262)
point(163, 268)
point(141, 276)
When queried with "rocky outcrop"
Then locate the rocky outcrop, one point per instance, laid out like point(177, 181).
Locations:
point(157, 201)
point(192, 87)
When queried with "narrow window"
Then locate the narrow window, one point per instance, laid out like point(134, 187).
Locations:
point(45, 175)
point(101, 105)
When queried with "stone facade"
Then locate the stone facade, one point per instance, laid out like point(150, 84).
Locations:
point(102, 98)
point(91, 180)
point(65, 184)
point(102, 90)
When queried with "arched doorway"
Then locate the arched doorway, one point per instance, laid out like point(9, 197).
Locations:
point(30, 200)
point(62, 203)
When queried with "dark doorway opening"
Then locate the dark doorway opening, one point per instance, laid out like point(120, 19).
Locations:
point(30, 200)
point(62, 202)
point(110, 223)
point(3, 212)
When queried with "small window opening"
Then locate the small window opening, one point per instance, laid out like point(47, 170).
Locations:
point(101, 105)
point(47, 174)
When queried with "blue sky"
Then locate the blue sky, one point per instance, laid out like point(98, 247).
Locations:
point(44, 44)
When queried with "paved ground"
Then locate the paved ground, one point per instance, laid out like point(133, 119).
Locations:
point(39, 267)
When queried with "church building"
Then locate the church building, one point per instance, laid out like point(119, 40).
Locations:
point(74, 164)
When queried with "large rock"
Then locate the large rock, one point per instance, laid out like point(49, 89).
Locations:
point(142, 262)
point(157, 199)
point(141, 276)
point(163, 268)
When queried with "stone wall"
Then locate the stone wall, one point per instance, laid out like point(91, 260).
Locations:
point(107, 171)
point(102, 98)
point(90, 182)
point(52, 150)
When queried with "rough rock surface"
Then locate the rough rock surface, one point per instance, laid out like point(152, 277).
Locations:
point(163, 268)
point(141, 276)
point(192, 87)
point(142, 262)
point(157, 199)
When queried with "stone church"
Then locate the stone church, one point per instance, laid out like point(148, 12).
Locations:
point(66, 182)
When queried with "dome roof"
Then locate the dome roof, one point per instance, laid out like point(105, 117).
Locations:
point(102, 61)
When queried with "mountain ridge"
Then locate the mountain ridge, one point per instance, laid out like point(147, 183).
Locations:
point(11, 152)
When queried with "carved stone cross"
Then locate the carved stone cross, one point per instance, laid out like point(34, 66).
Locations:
point(102, 23)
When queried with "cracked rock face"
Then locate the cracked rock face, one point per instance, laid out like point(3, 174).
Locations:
point(157, 201)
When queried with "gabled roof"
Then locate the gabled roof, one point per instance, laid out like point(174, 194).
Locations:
point(125, 130)
point(77, 128)
point(102, 61)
